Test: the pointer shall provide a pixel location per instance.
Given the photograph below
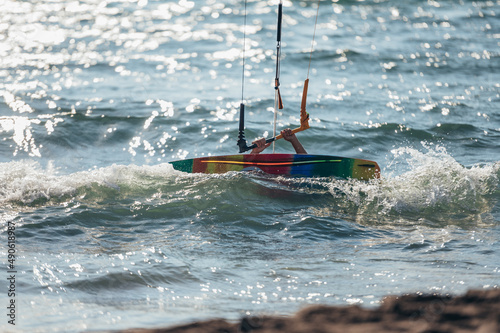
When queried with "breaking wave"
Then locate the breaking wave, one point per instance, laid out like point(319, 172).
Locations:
point(433, 188)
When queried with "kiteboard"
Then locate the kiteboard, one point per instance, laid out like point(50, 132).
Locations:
point(295, 165)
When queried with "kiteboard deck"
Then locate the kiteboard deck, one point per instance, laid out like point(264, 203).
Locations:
point(299, 165)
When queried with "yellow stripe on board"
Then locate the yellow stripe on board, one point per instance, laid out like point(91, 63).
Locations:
point(272, 163)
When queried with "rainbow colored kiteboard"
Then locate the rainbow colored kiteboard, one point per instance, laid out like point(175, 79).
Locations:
point(283, 164)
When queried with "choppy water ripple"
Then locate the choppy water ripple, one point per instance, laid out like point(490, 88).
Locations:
point(96, 97)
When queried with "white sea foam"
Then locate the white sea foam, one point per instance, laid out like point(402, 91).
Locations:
point(435, 183)
point(27, 182)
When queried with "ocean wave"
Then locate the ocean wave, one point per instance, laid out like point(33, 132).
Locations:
point(27, 183)
point(427, 186)
point(433, 188)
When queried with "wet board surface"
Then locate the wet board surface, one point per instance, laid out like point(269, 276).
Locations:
point(283, 164)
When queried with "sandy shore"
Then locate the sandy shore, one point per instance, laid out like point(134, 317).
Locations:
point(476, 311)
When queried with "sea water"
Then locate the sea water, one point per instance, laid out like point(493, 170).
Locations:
point(98, 232)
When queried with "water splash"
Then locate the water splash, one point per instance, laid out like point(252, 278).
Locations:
point(435, 188)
